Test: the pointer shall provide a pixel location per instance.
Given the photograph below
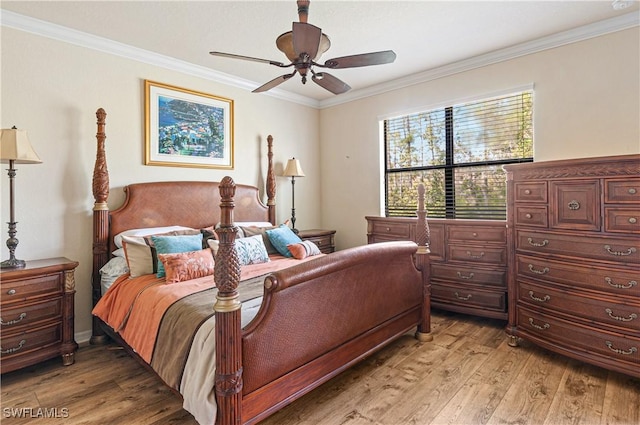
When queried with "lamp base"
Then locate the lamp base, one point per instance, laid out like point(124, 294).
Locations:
point(13, 263)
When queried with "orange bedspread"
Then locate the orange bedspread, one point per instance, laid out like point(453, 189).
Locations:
point(134, 307)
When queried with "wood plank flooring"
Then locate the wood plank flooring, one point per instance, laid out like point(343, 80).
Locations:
point(467, 375)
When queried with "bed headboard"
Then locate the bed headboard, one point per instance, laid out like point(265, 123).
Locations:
point(185, 203)
point(193, 204)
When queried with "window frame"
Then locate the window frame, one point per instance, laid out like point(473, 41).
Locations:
point(449, 167)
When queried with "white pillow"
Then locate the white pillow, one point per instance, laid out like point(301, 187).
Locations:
point(114, 268)
point(117, 240)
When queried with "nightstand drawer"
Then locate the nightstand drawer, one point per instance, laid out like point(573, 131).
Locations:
point(324, 239)
point(19, 290)
point(14, 317)
point(21, 343)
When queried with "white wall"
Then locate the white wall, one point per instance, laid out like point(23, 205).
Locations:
point(586, 104)
point(53, 89)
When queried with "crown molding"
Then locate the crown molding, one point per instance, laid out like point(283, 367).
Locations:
point(82, 39)
point(79, 38)
point(596, 29)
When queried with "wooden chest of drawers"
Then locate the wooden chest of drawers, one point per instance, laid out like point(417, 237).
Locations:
point(574, 229)
point(468, 261)
point(37, 313)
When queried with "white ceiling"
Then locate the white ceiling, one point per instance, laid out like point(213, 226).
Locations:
point(426, 35)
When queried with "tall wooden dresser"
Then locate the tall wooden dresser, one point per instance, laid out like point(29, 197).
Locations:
point(468, 261)
point(574, 238)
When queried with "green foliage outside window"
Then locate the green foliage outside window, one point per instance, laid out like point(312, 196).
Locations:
point(457, 152)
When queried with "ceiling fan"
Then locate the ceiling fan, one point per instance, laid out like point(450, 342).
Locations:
point(303, 46)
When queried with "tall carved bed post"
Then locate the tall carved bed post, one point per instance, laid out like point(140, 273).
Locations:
point(422, 261)
point(228, 380)
point(100, 221)
point(271, 183)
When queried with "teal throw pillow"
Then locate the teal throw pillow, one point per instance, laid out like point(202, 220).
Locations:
point(282, 236)
point(175, 244)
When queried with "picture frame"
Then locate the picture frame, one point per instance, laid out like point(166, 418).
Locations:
point(187, 128)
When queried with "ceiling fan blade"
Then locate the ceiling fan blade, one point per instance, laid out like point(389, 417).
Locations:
point(365, 59)
point(331, 83)
point(249, 58)
point(306, 39)
point(273, 83)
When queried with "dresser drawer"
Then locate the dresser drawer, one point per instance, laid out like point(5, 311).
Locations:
point(469, 297)
point(529, 215)
point(471, 275)
point(19, 290)
point(622, 220)
point(574, 205)
point(477, 254)
point(496, 234)
point(530, 192)
point(610, 281)
point(626, 251)
point(397, 231)
point(577, 337)
point(20, 343)
point(572, 304)
point(618, 191)
point(16, 316)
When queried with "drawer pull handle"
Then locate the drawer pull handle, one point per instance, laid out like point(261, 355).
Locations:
point(14, 321)
point(620, 253)
point(532, 243)
point(475, 256)
point(633, 220)
point(14, 349)
point(632, 191)
point(467, 298)
point(542, 300)
point(619, 351)
point(543, 271)
point(469, 276)
point(528, 216)
point(631, 283)
point(11, 292)
point(475, 235)
point(527, 192)
point(574, 205)
point(543, 327)
point(631, 317)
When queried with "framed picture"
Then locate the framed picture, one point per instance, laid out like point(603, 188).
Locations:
point(186, 128)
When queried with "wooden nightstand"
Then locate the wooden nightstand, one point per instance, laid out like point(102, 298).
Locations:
point(323, 238)
point(37, 313)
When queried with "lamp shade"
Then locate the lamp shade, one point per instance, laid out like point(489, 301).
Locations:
point(15, 146)
point(293, 169)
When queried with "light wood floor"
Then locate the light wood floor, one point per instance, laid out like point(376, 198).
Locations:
point(467, 375)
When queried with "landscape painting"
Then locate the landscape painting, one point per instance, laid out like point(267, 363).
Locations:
point(186, 128)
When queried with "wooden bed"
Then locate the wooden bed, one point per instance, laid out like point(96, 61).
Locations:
point(298, 340)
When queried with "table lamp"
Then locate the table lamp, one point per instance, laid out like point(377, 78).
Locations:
point(14, 149)
point(293, 170)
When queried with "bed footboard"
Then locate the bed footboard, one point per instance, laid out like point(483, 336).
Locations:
point(316, 319)
point(320, 317)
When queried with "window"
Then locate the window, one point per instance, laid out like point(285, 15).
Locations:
point(457, 152)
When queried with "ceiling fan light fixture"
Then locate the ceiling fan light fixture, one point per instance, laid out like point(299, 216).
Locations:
point(284, 43)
